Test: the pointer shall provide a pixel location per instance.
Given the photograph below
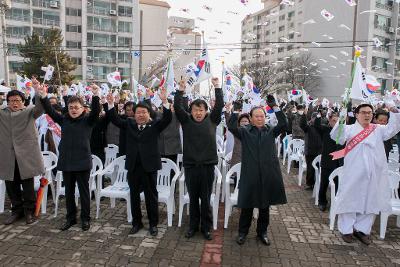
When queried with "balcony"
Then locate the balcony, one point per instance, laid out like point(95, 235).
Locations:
point(381, 49)
point(46, 4)
point(383, 6)
point(21, 1)
point(101, 28)
point(101, 43)
point(382, 27)
point(46, 22)
point(102, 60)
point(16, 35)
point(98, 11)
point(18, 18)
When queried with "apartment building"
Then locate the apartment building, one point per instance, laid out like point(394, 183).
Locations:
point(302, 22)
point(97, 34)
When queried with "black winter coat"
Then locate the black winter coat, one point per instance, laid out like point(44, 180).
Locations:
point(74, 148)
point(142, 144)
point(312, 138)
point(261, 183)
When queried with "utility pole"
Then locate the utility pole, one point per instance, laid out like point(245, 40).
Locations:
point(4, 6)
point(130, 65)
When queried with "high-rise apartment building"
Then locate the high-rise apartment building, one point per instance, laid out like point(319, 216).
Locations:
point(329, 42)
point(98, 35)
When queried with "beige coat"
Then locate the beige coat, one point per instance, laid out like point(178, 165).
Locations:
point(19, 141)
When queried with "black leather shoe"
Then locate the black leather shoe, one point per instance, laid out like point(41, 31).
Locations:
point(322, 207)
point(153, 230)
point(135, 229)
point(207, 235)
point(67, 225)
point(85, 225)
point(241, 239)
point(13, 218)
point(190, 233)
point(264, 239)
point(29, 218)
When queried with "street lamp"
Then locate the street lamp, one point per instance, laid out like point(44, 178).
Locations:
point(4, 6)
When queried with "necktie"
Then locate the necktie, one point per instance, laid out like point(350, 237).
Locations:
point(141, 127)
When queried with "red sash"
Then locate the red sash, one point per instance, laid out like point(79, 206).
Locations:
point(354, 142)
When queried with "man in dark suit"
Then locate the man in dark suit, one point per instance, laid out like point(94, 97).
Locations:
point(143, 158)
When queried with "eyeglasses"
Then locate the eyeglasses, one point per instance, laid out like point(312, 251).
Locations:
point(74, 107)
point(15, 100)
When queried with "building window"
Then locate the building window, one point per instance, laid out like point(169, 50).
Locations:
point(124, 11)
point(124, 26)
point(72, 44)
point(44, 17)
point(73, 28)
point(282, 17)
point(102, 24)
point(18, 32)
point(267, 33)
point(124, 41)
point(18, 14)
point(281, 49)
point(15, 66)
point(73, 12)
point(77, 60)
point(290, 47)
point(281, 28)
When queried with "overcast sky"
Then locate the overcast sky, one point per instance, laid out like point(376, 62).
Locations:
point(217, 20)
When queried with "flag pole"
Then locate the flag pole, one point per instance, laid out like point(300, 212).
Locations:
point(346, 99)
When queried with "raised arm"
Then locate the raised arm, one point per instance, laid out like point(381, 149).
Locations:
point(167, 114)
point(282, 122)
point(95, 110)
point(180, 111)
point(112, 115)
point(38, 110)
point(216, 113)
point(303, 123)
point(393, 126)
point(336, 131)
point(57, 118)
point(233, 126)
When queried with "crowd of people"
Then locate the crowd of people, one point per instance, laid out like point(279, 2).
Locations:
point(74, 129)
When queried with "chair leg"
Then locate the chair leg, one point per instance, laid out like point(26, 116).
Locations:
point(384, 219)
point(227, 214)
point(112, 201)
point(128, 209)
point(223, 188)
point(44, 200)
point(2, 196)
point(53, 192)
point(289, 164)
point(398, 220)
point(300, 176)
point(181, 207)
point(215, 215)
point(56, 205)
point(97, 206)
point(332, 217)
point(169, 213)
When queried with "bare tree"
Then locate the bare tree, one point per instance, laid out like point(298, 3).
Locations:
point(300, 72)
point(155, 70)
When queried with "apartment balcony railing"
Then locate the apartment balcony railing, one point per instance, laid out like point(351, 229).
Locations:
point(46, 22)
point(383, 6)
point(18, 18)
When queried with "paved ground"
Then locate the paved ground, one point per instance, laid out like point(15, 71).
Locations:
point(299, 233)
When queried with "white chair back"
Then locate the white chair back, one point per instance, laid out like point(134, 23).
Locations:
point(296, 146)
point(49, 159)
point(332, 214)
point(111, 152)
point(394, 180)
point(164, 175)
point(118, 164)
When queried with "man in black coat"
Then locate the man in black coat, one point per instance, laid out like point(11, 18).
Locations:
point(261, 183)
point(143, 158)
point(199, 154)
point(312, 147)
point(75, 157)
point(327, 164)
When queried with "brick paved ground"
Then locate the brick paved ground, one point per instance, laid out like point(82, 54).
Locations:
point(299, 233)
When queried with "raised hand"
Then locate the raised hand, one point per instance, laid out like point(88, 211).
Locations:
point(163, 95)
point(215, 82)
point(182, 85)
point(110, 99)
point(95, 89)
point(271, 101)
point(64, 90)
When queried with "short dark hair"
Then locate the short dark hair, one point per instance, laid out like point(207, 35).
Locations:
point(129, 104)
point(198, 103)
point(15, 93)
point(381, 112)
point(300, 107)
point(243, 116)
point(357, 110)
point(141, 105)
point(76, 99)
point(255, 108)
point(57, 107)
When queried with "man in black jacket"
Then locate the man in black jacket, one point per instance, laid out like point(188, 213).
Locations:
point(261, 183)
point(143, 158)
point(327, 164)
point(75, 157)
point(199, 154)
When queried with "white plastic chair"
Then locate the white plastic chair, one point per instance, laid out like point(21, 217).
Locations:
point(111, 152)
point(119, 189)
point(231, 198)
point(332, 213)
point(2, 195)
point(394, 178)
point(317, 169)
point(295, 152)
point(214, 200)
point(220, 144)
point(50, 162)
point(166, 186)
point(224, 169)
point(179, 161)
point(97, 166)
point(285, 143)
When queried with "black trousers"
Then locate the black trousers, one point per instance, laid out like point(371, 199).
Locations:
point(323, 187)
point(21, 201)
point(310, 176)
point(199, 182)
point(246, 216)
point(82, 179)
point(139, 180)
